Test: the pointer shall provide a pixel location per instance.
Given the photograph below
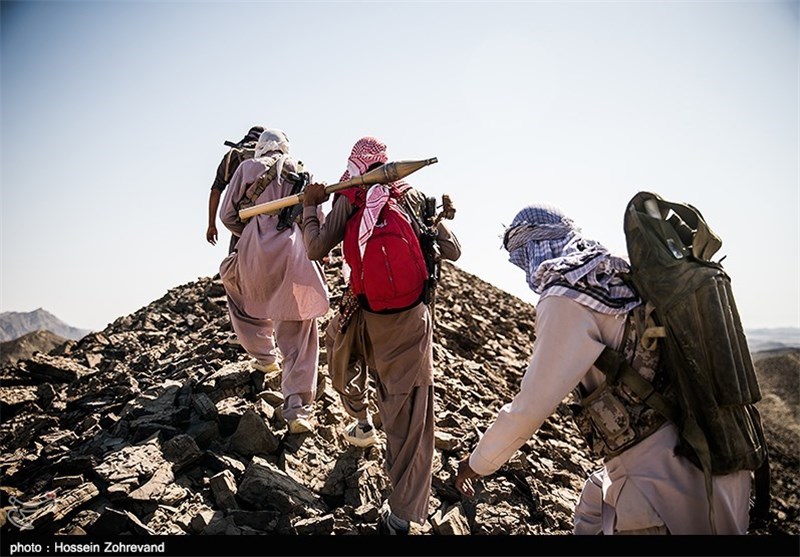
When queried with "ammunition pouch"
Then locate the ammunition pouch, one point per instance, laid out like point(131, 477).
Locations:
point(613, 417)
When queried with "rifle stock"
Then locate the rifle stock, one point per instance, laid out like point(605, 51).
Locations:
point(389, 172)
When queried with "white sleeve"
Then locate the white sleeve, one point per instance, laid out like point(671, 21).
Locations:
point(567, 344)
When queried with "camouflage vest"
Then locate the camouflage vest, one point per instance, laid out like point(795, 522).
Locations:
point(612, 418)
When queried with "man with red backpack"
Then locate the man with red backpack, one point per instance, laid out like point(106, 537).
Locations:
point(389, 328)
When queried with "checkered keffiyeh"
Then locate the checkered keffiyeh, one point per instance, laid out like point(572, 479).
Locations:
point(559, 261)
point(366, 152)
point(377, 196)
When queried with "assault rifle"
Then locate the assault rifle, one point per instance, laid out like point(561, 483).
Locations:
point(289, 214)
point(429, 245)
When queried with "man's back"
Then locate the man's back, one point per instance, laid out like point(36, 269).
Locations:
point(237, 153)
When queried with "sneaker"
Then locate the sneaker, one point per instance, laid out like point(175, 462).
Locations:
point(385, 527)
point(300, 425)
point(266, 368)
point(361, 435)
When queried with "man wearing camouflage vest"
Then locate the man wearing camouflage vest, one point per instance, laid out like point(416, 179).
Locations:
point(643, 487)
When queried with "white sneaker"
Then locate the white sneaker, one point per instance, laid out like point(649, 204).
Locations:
point(360, 436)
point(266, 368)
point(300, 425)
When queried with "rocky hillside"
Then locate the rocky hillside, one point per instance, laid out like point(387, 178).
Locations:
point(28, 344)
point(156, 425)
point(14, 324)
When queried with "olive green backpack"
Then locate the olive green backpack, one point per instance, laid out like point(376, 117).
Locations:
point(693, 316)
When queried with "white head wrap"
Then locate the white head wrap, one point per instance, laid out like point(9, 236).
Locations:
point(272, 140)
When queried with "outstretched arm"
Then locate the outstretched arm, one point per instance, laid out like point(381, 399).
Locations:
point(567, 344)
point(213, 205)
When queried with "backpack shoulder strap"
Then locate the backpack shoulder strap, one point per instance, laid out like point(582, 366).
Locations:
point(412, 202)
point(257, 188)
point(616, 368)
point(228, 174)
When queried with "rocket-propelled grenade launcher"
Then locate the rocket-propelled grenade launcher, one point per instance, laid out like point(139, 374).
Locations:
point(389, 172)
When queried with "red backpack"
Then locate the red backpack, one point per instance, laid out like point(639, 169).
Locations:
point(392, 274)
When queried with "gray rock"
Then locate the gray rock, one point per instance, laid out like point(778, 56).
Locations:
point(253, 436)
point(265, 486)
point(223, 487)
point(181, 450)
point(452, 523)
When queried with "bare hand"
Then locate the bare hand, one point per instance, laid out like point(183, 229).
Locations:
point(211, 234)
point(464, 478)
point(314, 194)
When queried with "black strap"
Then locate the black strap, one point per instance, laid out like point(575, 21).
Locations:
point(762, 499)
point(427, 236)
point(260, 185)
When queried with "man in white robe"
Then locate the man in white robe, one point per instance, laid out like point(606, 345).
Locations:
point(275, 293)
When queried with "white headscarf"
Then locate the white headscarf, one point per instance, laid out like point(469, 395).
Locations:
point(272, 140)
point(273, 143)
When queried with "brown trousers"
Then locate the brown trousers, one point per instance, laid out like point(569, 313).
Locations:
point(399, 348)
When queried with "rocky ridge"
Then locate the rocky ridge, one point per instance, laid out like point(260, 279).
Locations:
point(156, 425)
point(28, 344)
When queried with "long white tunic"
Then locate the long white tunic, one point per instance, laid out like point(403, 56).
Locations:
point(269, 275)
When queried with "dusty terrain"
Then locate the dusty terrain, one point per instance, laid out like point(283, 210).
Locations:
point(157, 426)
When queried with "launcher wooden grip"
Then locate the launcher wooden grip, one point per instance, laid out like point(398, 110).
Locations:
point(389, 172)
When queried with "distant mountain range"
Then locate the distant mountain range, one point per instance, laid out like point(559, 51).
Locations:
point(15, 324)
point(761, 340)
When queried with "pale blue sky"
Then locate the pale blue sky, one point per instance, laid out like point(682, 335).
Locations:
point(114, 115)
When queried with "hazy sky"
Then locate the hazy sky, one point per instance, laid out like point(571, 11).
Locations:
point(114, 116)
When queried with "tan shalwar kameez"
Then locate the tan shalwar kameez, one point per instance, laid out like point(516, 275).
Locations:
point(399, 347)
point(646, 489)
point(275, 292)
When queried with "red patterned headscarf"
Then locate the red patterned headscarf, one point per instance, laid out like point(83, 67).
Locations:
point(366, 152)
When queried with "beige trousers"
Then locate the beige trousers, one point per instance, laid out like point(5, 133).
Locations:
point(398, 347)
